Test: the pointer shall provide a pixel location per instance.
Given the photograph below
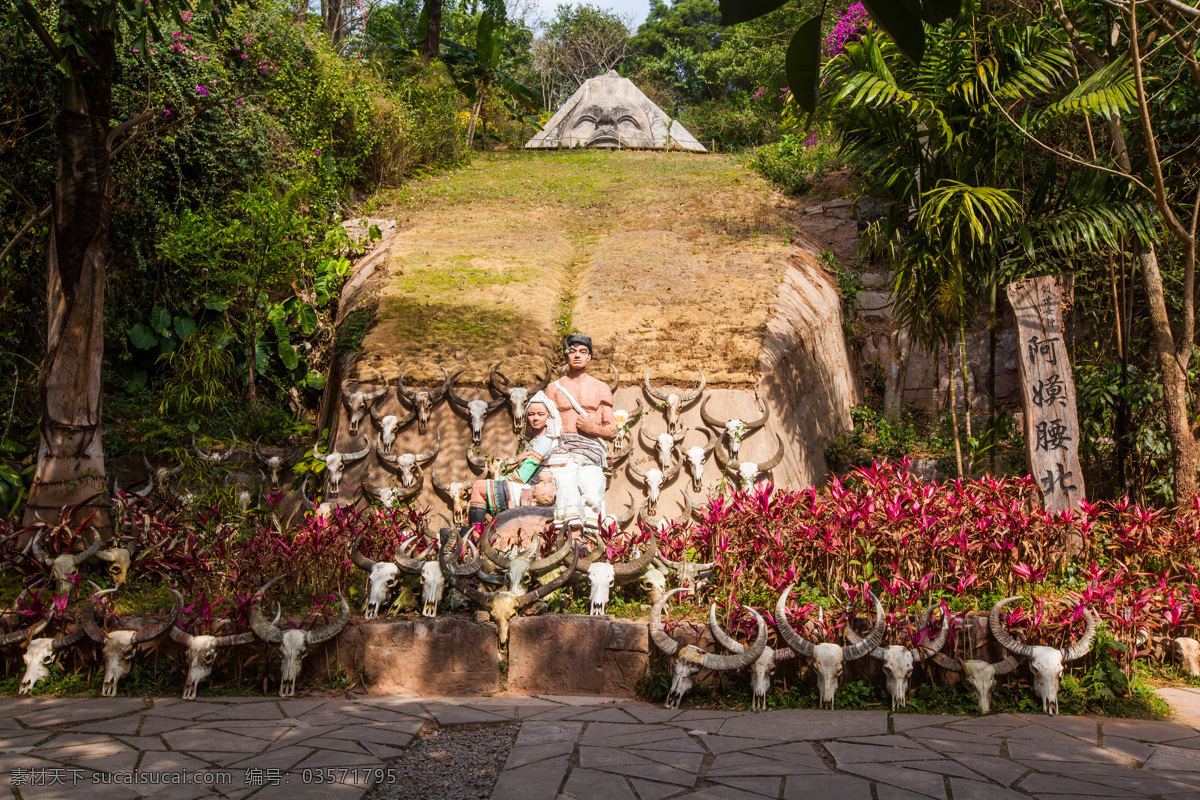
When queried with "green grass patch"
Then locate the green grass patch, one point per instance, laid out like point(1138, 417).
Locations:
point(450, 326)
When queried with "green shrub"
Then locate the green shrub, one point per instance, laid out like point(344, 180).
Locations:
point(794, 164)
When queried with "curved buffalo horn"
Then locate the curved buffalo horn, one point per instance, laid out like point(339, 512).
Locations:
point(648, 438)
point(1002, 636)
point(1083, 644)
point(553, 560)
point(94, 631)
point(429, 455)
point(407, 394)
point(468, 568)
point(634, 506)
point(723, 460)
point(258, 453)
point(489, 550)
point(722, 638)
point(794, 640)
point(360, 561)
point(739, 660)
point(711, 444)
point(436, 394)
point(873, 639)
point(710, 421)
point(497, 387)
point(404, 561)
point(482, 598)
point(565, 575)
point(317, 454)
point(638, 472)
point(635, 568)
point(357, 454)
point(28, 632)
point(444, 488)
point(331, 630)
point(309, 505)
point(616, 378)
point(688, 397)
point(375, 394)
point(544, 382)
point(494, 404)
point(758, 423)
point(767, 466)
point(664, 642)
point(650, 390)
point(670, 474)
point(454, 396)
point(38, 553)
point(264, 630)
point(156, 629)
point(68, 640)
point(179, 635)
point(91, 550)
point(939, 641)
point(690, 507)
point(474, 459)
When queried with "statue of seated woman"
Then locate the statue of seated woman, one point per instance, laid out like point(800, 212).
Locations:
point(528, 483)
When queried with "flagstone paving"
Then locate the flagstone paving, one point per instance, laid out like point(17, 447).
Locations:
point(585, 748)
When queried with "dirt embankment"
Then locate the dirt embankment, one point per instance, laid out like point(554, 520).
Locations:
point(673, 262)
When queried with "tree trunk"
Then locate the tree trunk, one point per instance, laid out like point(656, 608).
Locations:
point(433, 35)
point(70, 466)
point(1184, 456)
point(333, 20)
point(474, 118)
point(958, 457)
point(969, 461)
point(897, 374)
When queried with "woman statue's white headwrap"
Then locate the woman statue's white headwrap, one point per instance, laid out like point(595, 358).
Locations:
point(554, 420)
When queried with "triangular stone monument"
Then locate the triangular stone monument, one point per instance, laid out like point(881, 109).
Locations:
point(609, 111)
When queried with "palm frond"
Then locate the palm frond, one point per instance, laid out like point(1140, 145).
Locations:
point(1108, 92)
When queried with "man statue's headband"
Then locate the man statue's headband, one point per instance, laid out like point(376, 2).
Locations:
point(577, 338)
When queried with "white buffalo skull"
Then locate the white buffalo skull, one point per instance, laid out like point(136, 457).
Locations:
point(601, 578)
point(829, 659)
point(64, 566)
point(202, 655)
point(763, 666)
point(475, 410)
point(121, 646)
point(688, 660)
point(422, 402)
point(335, 467)
point(357, 404)
point(654, 480)
point(409, 465)
point(673, 404)
point(292, 644)
point(899, 661)
point(457, 495)
point(1046, 663)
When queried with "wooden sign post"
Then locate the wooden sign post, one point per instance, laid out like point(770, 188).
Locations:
point(1048, 390)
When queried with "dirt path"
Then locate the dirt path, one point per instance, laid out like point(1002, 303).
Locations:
point(666, 260)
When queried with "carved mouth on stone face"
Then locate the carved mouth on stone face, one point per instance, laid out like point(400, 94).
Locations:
point(605, 138)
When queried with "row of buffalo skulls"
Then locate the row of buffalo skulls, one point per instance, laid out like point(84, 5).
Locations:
point(119, 647)
point(829, 660)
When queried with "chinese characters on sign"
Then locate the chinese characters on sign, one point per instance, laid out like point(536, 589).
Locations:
point(1048, 390)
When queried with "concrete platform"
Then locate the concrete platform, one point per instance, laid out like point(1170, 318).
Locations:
point(585, 748)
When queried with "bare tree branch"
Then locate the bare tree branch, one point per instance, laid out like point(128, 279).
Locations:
point(26, 228)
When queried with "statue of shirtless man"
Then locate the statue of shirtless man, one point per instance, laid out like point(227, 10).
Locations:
point(578, 462)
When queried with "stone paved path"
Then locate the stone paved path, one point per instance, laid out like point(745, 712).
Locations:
point(588, 748)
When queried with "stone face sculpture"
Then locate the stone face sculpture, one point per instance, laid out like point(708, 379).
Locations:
point(608, 111)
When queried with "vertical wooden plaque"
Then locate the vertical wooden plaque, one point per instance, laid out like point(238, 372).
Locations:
point(1048, 390)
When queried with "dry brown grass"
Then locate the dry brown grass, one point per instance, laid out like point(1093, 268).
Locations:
point(666, 260)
